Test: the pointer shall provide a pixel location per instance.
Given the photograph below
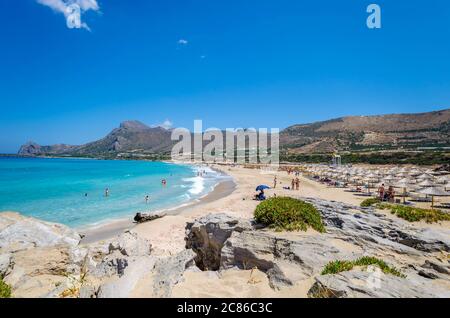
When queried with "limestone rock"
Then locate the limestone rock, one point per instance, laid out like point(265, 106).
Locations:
point(18, 232)
point(5, 261)
point(169, 271)
point(360, 284)
point(130, 244)
point(123, 286)
point(285, 261)
point(207, 235)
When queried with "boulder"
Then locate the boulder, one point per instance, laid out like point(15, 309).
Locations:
point(123, 286)
point(18, 232)
point(364, 226)
point(285, 260)
point(5, 261)
point(169, 271)
point(206, 236)
point(362, 284)
point(131, 245)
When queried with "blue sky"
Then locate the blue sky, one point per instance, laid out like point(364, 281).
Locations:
point(233, 63)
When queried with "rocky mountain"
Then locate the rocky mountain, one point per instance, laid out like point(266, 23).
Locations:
point(131, 136)
point(395, 131)
point(383, 132)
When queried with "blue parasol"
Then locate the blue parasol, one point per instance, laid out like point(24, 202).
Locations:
point(262, 187)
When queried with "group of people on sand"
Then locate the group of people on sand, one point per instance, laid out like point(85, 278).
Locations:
point(386, 195)
point(292, 171)
point(295, 184)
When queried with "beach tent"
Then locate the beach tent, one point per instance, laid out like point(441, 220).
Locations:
point(433, 192)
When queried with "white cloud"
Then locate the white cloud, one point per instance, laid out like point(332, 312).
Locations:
point(183, 42)
point(167, 124)
point(72, 10)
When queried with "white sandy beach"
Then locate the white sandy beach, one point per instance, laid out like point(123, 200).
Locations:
point(167, 238)
point(167, 235)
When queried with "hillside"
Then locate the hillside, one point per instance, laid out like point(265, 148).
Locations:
point(395, 131)
point(384, 132)
point(131, 136)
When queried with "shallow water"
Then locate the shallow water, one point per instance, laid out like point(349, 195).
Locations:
point(72, 191)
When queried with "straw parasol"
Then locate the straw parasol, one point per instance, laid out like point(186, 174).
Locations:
point(433, 192)
point(389, 178)
point(447, 186)
point(426, 183)
point(403, 183)
point(424, 176)
point(443, 179)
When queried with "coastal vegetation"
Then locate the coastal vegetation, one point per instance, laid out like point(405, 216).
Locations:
point(284, 213)
point(5, 289)
point(336, 267)
point(369, 202)
point(413, 214)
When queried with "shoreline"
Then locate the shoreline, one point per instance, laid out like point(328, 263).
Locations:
point(112, 228)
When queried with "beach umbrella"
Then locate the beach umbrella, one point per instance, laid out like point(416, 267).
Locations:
point(403, 183)
point(433, 192)
point(442, 179)
point(426, 183)
point(403, 170)
point(447, 186)
point(370, 181)
point(415, 172)
point(262, 187)
point(424, 176)
point(389, 178)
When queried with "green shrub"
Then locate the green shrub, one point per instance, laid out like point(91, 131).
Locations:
point(336, 267)
point(284, 213)
point(5, 289)
point(412, 214)
point(370, 202)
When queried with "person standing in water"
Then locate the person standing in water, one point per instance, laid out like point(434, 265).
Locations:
point(146, 199)
point(106, 192)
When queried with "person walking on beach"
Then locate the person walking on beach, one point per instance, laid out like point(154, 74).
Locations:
point(293, 184)
point(297, 184)
point(381, 191)
point(275, 182)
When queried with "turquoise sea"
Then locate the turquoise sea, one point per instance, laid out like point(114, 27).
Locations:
point(72, 191)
